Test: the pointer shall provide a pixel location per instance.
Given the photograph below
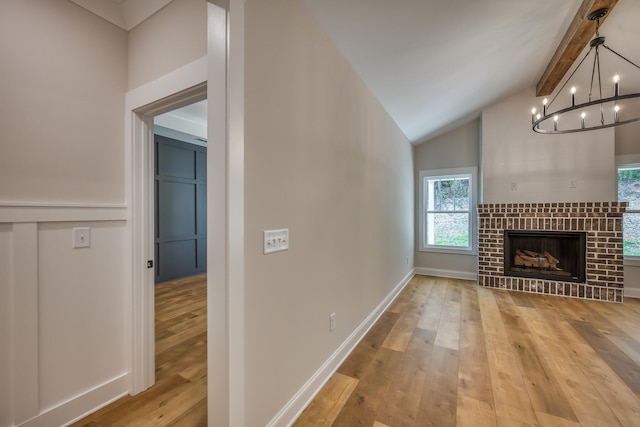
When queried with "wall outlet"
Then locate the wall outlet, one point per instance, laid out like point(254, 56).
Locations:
point(514, 186)
point(332, 322)
point(573, 183)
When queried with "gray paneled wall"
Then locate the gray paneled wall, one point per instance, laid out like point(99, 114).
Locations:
point(180, 209)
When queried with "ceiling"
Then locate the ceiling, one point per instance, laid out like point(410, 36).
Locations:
point(190, 120)
point(126, 14)
point(434, 65)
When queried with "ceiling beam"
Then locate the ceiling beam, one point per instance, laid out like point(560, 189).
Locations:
point(580, 32)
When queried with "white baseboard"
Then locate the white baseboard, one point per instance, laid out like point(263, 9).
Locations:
point(632, 292)
point(290, 412)
point(452, 274)
point(84, 404)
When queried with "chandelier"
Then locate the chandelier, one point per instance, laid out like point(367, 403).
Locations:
point(598, 111)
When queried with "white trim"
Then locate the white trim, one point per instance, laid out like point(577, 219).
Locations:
point(187, 76)
point(52, 212)
point(452, 274)
point(173, 90)
point(85, 404)
point(472, 172)
point(235, 208)
point(290, 412)
point(25, 335)
point(631, 292)
point(631, 261)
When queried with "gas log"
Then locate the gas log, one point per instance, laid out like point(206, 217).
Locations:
point(526, 258)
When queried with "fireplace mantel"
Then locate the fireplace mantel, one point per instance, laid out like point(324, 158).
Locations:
point(602, 223)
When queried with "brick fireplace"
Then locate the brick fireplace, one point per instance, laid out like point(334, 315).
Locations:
point(600, 221)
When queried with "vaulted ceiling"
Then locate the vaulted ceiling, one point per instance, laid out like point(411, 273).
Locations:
point(434, 65)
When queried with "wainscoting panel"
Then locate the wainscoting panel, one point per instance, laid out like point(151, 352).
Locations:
point(63, 311)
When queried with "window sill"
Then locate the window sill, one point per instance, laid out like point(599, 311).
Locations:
point(450, 251)
point(633, 261)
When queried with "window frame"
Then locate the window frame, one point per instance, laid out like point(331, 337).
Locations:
point(635, 259)
point(466, 172)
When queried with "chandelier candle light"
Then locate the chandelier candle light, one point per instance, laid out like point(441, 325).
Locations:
point(567, 120)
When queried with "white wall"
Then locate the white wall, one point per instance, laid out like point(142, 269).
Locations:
point(64, 327)
point(324, 160)
point(64, 76)
point(61, 132)
point(176, 35)
point(455, 149)
point(542, 165)
point(78, 292)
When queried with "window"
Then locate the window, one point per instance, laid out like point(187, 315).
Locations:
point(447, 207)
point(629, 191)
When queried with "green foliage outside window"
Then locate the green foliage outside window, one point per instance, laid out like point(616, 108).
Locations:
point(448, 212)
point(629, 191)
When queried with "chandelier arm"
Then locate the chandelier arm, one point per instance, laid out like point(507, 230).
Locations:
point(576, 130)
point(630, 62)
point(596, 60)
point(567, 81)
point(600, 87)
point(535, 124)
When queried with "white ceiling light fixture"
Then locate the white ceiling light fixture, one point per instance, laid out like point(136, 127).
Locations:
point(599, 111)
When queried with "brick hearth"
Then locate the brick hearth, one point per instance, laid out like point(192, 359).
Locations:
point(602, 223)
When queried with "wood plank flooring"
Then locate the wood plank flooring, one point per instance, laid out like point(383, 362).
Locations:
point(445, 353)
point(449, 353)
point(179, 396)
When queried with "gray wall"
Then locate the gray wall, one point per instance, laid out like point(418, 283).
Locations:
point(173, 37)
point(323, 159)
point(542, 166)
point(454, 149)
point(61, 133)
point(62, 165)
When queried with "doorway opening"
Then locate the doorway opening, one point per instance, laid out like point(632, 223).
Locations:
point(225, 212)
point(179, 178)
point(180, 192)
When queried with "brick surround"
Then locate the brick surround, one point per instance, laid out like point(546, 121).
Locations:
point(602, 223)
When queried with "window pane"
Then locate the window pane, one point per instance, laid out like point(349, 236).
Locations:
point(631, 228)
point(449, 195)
point(629, 187)
point(446, 195)
point(448, 229)
point(436, 194)
point(461, 194)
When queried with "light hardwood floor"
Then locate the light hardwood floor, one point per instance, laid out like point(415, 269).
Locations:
point(450, 353)
point(445, 353)
point(179, 396)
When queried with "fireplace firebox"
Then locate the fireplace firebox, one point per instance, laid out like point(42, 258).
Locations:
point(549, 255)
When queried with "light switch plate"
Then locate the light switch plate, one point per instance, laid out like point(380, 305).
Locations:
point(81, 237)
point(276, 240)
